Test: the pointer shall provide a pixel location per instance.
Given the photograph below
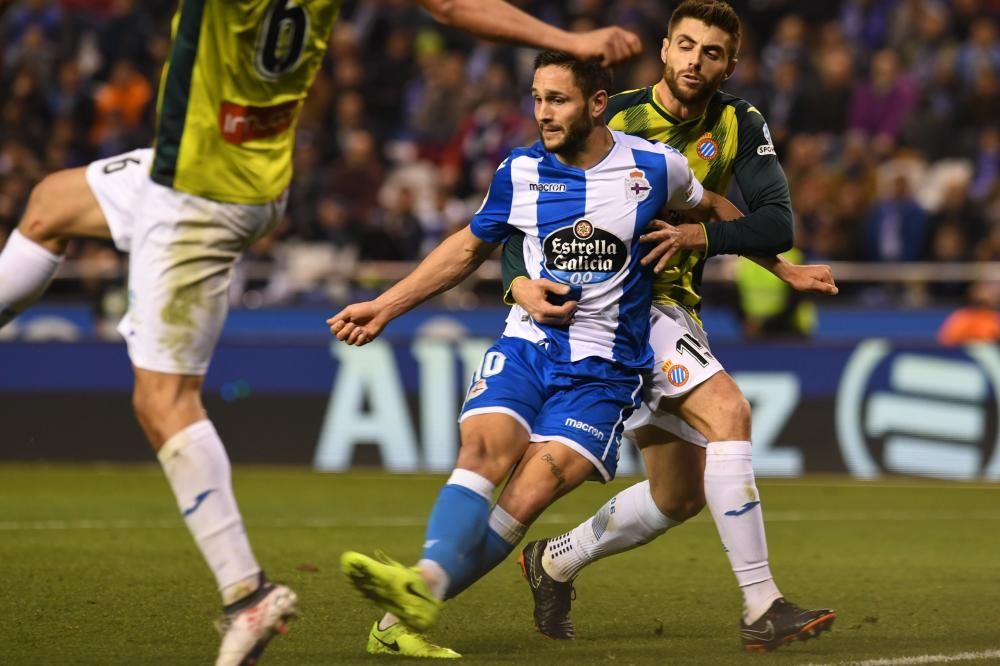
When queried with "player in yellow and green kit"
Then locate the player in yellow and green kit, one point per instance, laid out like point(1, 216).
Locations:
point(694, 428)
point(230, 95)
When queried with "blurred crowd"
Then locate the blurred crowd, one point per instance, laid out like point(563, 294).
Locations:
point(885, 115)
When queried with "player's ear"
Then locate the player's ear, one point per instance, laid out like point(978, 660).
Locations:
point(598, 103)
point(731, 67)
point(663, 49)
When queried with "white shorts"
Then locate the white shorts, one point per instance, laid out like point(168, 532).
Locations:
point(683, 361)
point(182, 249)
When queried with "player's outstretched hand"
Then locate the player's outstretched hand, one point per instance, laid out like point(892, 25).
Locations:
point(669, 241)
point(815, 278)
point(357, 324)
point(609, 45)
point(533, 296)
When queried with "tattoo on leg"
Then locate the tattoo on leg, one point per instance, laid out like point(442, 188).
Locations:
point(556, 470)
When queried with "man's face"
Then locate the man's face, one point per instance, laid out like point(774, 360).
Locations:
point(561, 111)
point(696, 60)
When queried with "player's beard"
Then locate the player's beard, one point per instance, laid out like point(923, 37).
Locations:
point(574, 139)
point(687, 96)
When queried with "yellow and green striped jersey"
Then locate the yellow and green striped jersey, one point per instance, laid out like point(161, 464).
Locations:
point(730, 137)
point(231, 93)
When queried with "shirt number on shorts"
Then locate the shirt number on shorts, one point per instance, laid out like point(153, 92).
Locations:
point(118, 165)
point(689, 344)
point(492, 365)
point(281, 39)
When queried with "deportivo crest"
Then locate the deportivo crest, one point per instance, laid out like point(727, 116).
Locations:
point(637, 187)
point(476, 389)
point(707, 148)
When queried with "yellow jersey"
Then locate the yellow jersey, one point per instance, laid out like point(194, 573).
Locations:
point(231, 92)
point(731, 136)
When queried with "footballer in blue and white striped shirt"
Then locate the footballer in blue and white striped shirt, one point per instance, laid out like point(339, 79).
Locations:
point(550, 400)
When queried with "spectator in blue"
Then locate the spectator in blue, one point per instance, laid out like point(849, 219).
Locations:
point(980, 52)
point(897, 227)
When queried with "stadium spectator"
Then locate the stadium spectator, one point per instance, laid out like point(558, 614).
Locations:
point(979, 321)
point(880, 105)
point(56, 55)
point(897, 228)
point(121, 105)
point(768, 307)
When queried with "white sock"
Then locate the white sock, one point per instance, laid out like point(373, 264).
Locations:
point(437, 578)
point(26, 269)
point(197, 468)
point(630, 519)
point(507, 526)
point(731, 495)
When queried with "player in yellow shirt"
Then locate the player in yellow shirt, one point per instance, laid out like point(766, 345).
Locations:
point(694, 427)
point(230, 95)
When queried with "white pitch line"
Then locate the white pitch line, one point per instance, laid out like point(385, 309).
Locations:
point(920, 659)
point(326, 522)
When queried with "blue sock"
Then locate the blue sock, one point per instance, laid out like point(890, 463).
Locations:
point(458, 526)
point(503, 534)
point(493, 550)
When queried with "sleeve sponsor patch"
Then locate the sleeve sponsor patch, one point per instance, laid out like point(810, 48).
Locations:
point(766, 149)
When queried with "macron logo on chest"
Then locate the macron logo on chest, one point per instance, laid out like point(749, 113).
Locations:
point(547, 187)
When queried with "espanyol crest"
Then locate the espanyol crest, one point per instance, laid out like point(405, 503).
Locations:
point(637, 188)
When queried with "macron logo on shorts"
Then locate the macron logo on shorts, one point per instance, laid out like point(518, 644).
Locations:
point(586, 427)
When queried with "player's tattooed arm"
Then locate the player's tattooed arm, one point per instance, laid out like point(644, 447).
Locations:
point(451, 262)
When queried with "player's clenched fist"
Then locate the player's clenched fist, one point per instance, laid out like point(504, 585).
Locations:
point(357, 324)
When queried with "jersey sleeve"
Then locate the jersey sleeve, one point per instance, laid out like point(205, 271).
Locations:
point(684, 191)
point(767, 229)
point(491, 221)
point(512, 264)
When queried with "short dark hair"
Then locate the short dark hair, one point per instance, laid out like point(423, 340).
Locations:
point(712, 13)
point(590, 75)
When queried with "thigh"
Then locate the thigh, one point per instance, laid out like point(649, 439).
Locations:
point(63, 206)
point(180, 268)
point(684, 361)
point(116, 185)
point(547, 471)
point(586, 411)
point(492, 443)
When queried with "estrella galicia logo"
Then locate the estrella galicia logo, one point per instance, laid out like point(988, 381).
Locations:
point(584, 254)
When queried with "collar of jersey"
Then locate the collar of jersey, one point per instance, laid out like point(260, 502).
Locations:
point(555, 161)
point(671, 118)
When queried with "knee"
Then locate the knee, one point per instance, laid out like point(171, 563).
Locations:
point(741, 411)
point(481, 454)
point(525, 503)
point(40, 222)
point(151, 403)
point(164, 407)
point(679, 504)
point(734, 420)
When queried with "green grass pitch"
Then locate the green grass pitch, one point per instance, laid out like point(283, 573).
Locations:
point(98, 569)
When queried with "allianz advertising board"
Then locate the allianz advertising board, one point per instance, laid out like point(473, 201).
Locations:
point(869, 408)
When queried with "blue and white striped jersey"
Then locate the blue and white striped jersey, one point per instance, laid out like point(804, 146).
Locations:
point(582, 228)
